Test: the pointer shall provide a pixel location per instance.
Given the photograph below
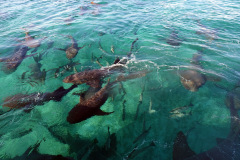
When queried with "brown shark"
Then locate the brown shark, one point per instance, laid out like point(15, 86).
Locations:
point(192, 80)
point(30, 41)
point(12, 62)
point(210, 34)
point(30, 100)
point(71, 51)
point(89, 107)
point(92, 77)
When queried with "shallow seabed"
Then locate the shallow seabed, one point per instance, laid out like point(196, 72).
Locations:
point(107, 31)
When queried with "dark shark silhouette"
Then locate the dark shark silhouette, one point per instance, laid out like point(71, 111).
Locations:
point(89, 107)
point(30, 41)
point(28, 101)
point(226, 149)
point(12, 62)
point(71, 51)
point(210, 34)
point(174, 39)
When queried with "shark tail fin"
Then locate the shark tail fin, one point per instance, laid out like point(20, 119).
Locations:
point(181, 150)
point(61, 89)
point(102, 113)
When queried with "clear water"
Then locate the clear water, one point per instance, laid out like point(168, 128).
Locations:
point(118, 24)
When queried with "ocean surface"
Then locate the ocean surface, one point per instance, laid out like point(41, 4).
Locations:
point(148, 111)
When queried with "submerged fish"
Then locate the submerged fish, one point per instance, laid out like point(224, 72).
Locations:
point(174, 39)
point(30, 41)
point(112, 48)
point(12, 62)
point(92, 77)
point(136, 151)
point(208, 33)
point(30, 100)
point(99, 4)
point(181, 111)
point(192, 80)
point(89, 107)
point(72, 51)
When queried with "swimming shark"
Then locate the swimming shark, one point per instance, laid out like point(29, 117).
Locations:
point(174, 39)
point(210, 34)
point(191, 79)
point(226, 149)
point(12, 62)
point(93, 77)
point(71, 51)
point(28, 101)
point(89, 106)
point(30, 41)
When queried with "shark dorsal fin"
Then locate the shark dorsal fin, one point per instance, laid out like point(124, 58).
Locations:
point(181, 150)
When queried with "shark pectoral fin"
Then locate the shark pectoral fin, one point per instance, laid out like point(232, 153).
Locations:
point(35, 50)
point(213, 78)
point(60, 49)
point(220, 140)
point(28, 108)
point(94, 83)
point(30, 55)
point(81, 47)
point(102, 113)
point(181, 150)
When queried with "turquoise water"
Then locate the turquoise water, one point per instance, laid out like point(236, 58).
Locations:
point(115, 25)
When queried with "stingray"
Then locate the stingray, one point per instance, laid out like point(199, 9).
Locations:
point(226, 149)
point(71, 51)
